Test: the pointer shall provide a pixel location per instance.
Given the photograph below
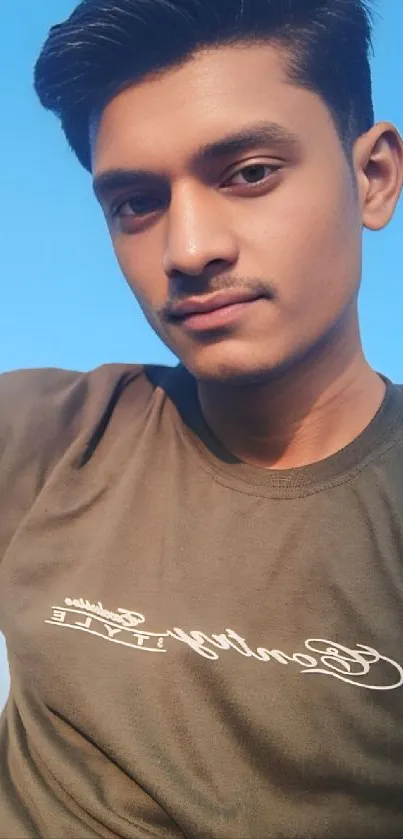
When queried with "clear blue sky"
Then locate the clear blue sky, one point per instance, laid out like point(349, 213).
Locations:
point(63, 301)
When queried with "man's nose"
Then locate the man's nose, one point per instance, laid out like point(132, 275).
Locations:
point(199, 237)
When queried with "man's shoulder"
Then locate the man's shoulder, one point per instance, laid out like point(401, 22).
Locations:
point(42, 402)
point(46, 382)
point(51, 387)
point(29, 396)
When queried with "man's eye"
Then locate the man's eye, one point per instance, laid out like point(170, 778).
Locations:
point(136, 206)
point(254, 173)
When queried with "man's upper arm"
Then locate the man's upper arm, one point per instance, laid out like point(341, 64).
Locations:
point(38, 420)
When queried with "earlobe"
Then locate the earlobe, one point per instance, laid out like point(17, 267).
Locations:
point(379, 167)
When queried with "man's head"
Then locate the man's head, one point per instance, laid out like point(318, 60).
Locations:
point(234, 154)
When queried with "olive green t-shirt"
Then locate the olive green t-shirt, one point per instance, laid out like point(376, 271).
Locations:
point(198, 648)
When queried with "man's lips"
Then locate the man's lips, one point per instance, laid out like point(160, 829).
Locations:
point(220, 311)
point(204, 305)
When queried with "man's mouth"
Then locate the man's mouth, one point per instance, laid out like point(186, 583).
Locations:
point(217, 310)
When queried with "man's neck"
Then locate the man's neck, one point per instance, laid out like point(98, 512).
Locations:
point(298, 419)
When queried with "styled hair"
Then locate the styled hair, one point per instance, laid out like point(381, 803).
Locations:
point(106, 45)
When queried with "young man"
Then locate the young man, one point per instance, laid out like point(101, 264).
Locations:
point(201, 567)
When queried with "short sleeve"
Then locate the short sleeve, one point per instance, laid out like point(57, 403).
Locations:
point(39, 413)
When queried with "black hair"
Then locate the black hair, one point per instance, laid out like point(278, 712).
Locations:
point(105, 45)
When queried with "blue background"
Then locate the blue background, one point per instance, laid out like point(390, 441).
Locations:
point(63, 301)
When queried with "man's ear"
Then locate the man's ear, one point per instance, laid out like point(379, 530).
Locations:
point(378, 164)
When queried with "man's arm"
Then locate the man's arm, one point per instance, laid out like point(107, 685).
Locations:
point(38, 419)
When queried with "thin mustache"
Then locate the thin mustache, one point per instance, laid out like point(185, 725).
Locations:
point(256, 287)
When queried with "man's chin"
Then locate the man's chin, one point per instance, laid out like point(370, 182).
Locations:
point(242, 366)
point(233, 374)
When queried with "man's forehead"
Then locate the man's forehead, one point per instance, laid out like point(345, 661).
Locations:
point(219, 77)
point(212, 68)
point(210, 106)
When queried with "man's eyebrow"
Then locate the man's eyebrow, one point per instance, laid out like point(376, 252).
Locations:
point(251, 137)
point(113, 180)
point(254, 136)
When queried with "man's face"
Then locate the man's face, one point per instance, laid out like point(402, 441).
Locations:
point(266, 232)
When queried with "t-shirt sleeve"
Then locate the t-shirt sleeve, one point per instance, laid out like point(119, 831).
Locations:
point(39, 413)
